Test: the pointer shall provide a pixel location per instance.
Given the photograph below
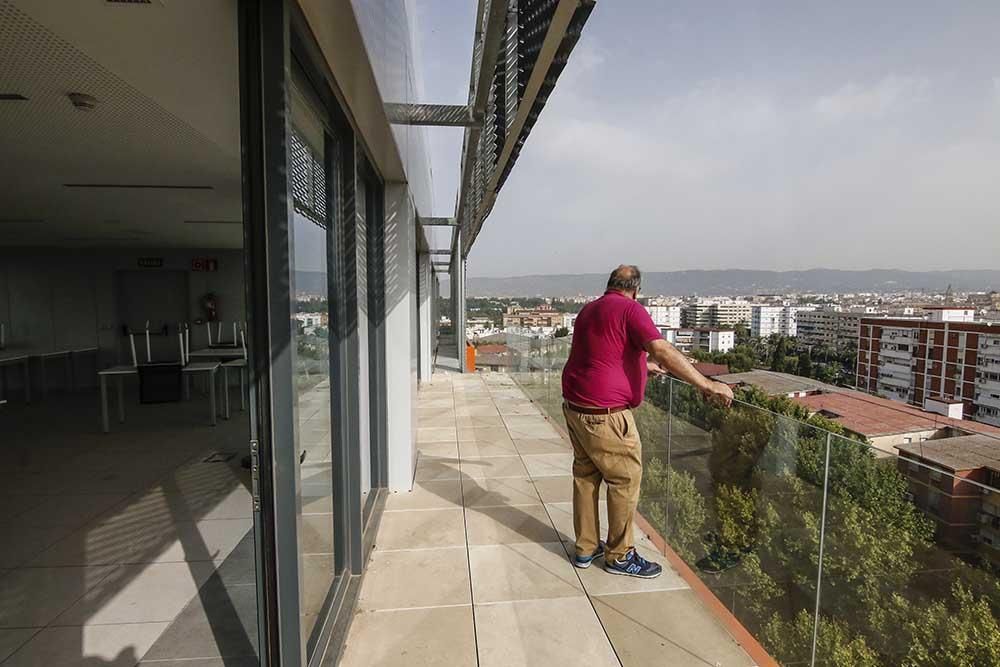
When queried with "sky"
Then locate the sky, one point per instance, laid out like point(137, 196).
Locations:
point(764, 135)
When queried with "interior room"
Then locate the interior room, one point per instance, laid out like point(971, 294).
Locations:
point(126, 517)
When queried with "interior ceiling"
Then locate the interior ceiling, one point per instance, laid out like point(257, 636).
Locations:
point(165, 76)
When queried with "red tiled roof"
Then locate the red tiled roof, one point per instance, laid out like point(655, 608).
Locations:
point(874, 416)
point(711, 370)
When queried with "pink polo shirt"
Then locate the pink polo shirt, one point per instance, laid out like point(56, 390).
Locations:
point(607, 363)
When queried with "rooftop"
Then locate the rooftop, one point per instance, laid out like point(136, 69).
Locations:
point(711, 370)
point(967, 452)
point(873, 416)
point(776, 384)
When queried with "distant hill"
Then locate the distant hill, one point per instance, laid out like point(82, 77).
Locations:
point(735, 282)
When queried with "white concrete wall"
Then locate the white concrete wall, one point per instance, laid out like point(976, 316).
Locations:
point(401, 335)
point(52, 299)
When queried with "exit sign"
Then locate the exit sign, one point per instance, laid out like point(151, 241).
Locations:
point(204, 264)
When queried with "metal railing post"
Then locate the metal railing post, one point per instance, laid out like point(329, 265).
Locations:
point(822, 539)
point(670, 436)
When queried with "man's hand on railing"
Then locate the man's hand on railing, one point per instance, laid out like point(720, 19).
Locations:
point(718, 393)
point(654, 368)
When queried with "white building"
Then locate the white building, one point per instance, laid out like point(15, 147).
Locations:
point(836, 329)
point(697, 314)
point(766, 321)
point(730, 313)
point(776, 319)
point(715, 314)
point(947, 314)
point(665, 316)
point(689, 340)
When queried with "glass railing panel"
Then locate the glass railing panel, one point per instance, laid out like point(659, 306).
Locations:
point(737, 493)
point(907, 577)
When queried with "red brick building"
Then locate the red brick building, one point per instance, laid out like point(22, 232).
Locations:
point(941, 359)
point(954, 481)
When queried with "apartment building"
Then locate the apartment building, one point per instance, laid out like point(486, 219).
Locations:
point(947, 479)
point(697, 314)
point(947, 358)
point(544, 316)
point(727, 314)
point(835, 329)
point(665, 316)
point(694, 339)
point(715, 314)
point(766, 320)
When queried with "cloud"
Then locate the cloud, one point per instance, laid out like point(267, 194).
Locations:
point(890, 94)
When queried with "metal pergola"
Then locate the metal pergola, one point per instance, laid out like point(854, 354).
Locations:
point(520, 49)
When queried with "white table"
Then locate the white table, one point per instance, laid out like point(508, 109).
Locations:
point(16, 359)
point(70, 357)
point(209, 368)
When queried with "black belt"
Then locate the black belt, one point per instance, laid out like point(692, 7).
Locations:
point(595, 411)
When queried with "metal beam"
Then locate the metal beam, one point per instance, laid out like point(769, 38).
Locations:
point(439, 222)
point(440, 252)
point(433, 115)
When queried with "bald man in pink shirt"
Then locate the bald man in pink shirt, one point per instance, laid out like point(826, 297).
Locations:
point(615, 346)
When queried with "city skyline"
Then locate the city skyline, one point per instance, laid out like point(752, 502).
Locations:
point(845, 136)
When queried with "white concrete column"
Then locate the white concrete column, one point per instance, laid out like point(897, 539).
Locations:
point(401, 335)
point(425, 315)
point(457, 280)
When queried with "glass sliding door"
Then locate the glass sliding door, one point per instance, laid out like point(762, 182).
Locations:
point(364, 376)
point(372, 205)
point(309, 178)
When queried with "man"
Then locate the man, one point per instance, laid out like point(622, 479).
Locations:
point(604, 378)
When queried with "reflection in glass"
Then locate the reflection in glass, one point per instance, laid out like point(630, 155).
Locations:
point(311, 358)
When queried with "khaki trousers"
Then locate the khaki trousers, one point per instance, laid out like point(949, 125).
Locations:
point(605, 448)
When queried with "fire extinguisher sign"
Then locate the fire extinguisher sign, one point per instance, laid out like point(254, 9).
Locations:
point(204, 264)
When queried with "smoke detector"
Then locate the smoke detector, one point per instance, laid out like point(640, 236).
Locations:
point(82, 101)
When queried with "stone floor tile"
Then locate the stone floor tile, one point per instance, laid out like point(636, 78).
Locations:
point(423, 578)
point(435, 637)
point(523, 571)
point(493, 466)
point(417, 529)
point(427, 495)
point(118, 644)
point(667, 628)
point(496, 492)
point(560, 631)
point(507, 525)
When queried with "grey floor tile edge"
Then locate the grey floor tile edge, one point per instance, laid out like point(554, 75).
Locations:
point(229, 578)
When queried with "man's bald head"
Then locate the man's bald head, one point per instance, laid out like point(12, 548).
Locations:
point(626, 278)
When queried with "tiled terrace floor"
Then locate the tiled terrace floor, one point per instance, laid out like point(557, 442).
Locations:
point(471, 567)
point(124, 547)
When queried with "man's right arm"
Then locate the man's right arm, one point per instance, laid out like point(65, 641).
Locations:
point(667, 356)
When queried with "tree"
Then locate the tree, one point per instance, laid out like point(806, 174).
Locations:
point(768, 471)
point(805, 368)
point(790, 642)
point(560, 332)
point(675, 507)
point(779, 352)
